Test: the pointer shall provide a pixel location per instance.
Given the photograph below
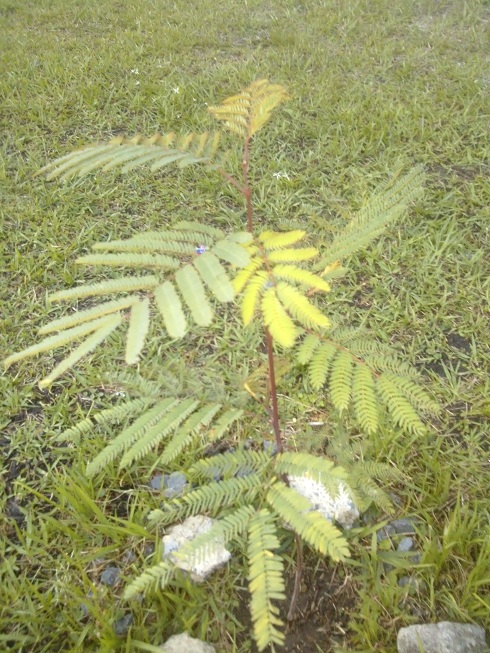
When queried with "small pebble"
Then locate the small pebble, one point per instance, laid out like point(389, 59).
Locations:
point(175, 485)
point(405, 544)
point(404, 526)
point(110, 576)
point(157, 482)
point(123, 624)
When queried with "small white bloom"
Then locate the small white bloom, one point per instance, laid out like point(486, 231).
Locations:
point(176, 89)
point(135, 71)
point(281, 175)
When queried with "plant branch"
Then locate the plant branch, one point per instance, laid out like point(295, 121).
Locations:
point(247, 191)
point(297, 578)
point(273, 392)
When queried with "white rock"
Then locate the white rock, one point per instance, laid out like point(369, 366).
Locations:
point(184, 644)
point(340, 508)
point(186, 532)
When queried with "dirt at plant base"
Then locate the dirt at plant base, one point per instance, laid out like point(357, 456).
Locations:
point(328, 595)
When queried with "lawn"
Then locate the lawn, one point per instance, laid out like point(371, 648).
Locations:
point(375, 86)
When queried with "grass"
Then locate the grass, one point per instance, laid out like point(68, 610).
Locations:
point(374, 86)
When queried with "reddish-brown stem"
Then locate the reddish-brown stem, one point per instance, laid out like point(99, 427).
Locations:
point(297, 578)
point(273, 392)
point(247, 191)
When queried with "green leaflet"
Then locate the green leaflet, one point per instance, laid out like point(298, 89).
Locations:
point(139, 323)
point(90, 314)
point(311, 526)
point(188, 432)
point(156, 577)
point(130, 260)
point(153, 436)
point(192, 289)
point(214, 276)
point(123, 284)
point(65, 337)
point(364, 398)
point(170, 307)
point(129, 435)
point(82, 350)
point(266, 582)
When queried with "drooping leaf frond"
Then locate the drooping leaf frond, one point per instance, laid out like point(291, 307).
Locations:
point(209, 499)
point(229, 464)
point(154, 435)
point(156, 577)
point(175, 422)
point(244, 114)
point(221, 532)
point(317, 531)
point(266, 582)
point(131, 434)
point(113, 415)
point(139, 323)
point(318, 468)
point(126, 154)
point(358, 373)
point(189, 432)
point(278, 288)
point(194, 270)
point(384, 207)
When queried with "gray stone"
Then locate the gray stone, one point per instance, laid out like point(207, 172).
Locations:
point(157, 482)
point(110, 576)
point(404, 526)
point(183, 533)
point(123, 624)
point(405, 545)
point(184, 644)
point(175, 484)
point(443, 637)
point(412, 584)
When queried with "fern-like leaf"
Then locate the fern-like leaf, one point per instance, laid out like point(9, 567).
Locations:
point(385, 207)
point(209, 499)
point(215, 277)
point(230, 463)
point(170, 307)
point(129, 435)
point(300, 307)
point(364, 398)
point(341, 380)
point(266, 582)
point(156, 577)
point(139, 323)
point(112, 415)
point(221, 532)
point(188, 432)
point(244, 114)
point(193, 293)
point(320, 362)
point(317, 531)
point(276, 319)
point(109, 287)
point(126, 154)
point(320, 469)
point(398, 406)
point(168, 423)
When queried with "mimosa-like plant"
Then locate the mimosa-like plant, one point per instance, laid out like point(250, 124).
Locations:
point(180, 275)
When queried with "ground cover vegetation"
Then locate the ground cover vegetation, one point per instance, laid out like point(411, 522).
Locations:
point(415, 98)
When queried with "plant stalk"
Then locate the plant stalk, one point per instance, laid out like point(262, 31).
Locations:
point(273, 392)
point(297, 578)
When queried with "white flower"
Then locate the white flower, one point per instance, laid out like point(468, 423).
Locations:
point(135, 71)
point(281, 175)
point(176, 89)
